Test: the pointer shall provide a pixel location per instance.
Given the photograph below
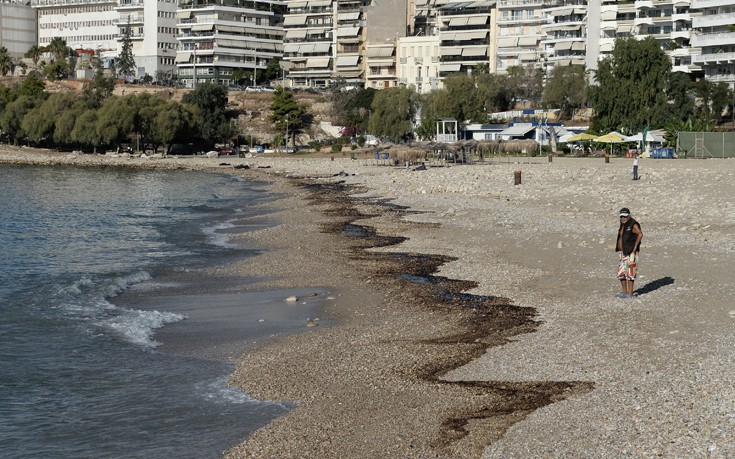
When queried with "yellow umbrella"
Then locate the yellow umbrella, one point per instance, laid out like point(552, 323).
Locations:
point(613, 137)
point(581, 137)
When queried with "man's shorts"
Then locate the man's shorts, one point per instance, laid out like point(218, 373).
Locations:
point(627, 267)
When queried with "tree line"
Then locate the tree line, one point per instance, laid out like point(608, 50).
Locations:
point(633, 89)
point(100, 120)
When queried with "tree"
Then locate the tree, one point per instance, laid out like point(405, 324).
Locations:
point(238, 76)
point(32, 86)
point(173, 122)
point(566, 89)
point(58, 48)
point(273, 70)
point(458, 99)
point(526, 83)
point(40, 122)
point(34, 54)
point(116, 119)
point(287, 114)
point(631, 87)
point(210, 101)
point(126, 61)
point(351, 108)
point(98, 89)
point(85, 129)
point(6, 62)
point(493, 92)
point(394, 110)
point(12, 117)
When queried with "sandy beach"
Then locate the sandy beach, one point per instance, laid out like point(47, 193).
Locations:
point(475, 318)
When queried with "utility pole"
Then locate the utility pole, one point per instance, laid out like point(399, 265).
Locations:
point(286, 133)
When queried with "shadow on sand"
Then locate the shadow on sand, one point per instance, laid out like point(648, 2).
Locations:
point(655, 285)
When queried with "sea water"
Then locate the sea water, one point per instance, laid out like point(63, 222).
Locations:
point(81, 377)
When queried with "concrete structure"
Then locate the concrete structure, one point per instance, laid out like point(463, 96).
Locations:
point(387, 24)
point(218, 37)
point(519, 33)
point(418, 62)
point(153, 34)
point(308, 38)
point(566, 34)
point(17, 27)
point(715, 39)
point(465, 31)
point(83, 24)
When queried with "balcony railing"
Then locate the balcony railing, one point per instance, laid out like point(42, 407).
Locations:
point(714, 39)
point(714, 57)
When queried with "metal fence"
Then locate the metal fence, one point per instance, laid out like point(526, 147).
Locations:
point(706, 145)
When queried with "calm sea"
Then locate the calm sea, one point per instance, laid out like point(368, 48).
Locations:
point(81, 376)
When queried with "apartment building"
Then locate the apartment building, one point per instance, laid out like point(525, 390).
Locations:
point(565, 42)
point(418, 62)
point(715, 38)
point(152, 33)
point(83, 24)
point(219, 37)
point(519, 33)
point(388, 24)
point(307, 47)
point(17, 27)
point(465, 31)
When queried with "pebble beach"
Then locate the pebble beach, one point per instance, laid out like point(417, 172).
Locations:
point(475, 318)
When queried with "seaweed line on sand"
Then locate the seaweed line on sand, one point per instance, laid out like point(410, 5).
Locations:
point(485, 320)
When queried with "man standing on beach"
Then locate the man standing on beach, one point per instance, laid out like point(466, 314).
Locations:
point(629, 244)
point(635, 166)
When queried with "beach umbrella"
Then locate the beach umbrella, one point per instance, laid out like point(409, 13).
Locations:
point(612, 137)
point(579, 137)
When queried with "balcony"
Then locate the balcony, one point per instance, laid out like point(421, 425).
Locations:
point(132, 19)
point(724, 19)
point(714, 58)
point(698, 4)
point(517, 3)
point(643, 4)
point(714, 39)
point(684, 17)
point(130, 4)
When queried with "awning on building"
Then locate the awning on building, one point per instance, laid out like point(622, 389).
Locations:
point(561, 12)
point(527, 41)
point(226, 28)
point(578, 46)
point(314, 3)
point(609, 15)
point(348, 31)
point(347, 61)
point(353, 16)
point(202, 27)
point(450, 67)
point(294, 19)
point(297, 4)
point(507, 42)
point(317, 62)
point(292, 34)
point(451, 51)
point(473, 52)
point(457, 22)
point(182, 57)
point(321, 47)
point(291, 48)
point(471, 35)
point(477, 20)
point(380, 51)
point(563, 46)
point(183, 14)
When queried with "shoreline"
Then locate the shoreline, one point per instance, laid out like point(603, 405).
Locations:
point(653, 375)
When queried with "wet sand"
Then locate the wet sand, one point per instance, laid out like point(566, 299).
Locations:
point(480, 320)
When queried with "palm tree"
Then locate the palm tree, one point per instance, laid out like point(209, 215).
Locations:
point(6, 63)
point(34, 53)
point(58, 48)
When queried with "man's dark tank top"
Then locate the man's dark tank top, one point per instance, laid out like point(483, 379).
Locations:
point(629, 237)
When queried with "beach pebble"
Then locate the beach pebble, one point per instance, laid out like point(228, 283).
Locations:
point(292, 299)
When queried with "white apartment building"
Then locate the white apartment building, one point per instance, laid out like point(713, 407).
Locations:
point(566, 34)
point(218, 37)
point(519, 33)
point(388, 23)
point(83, 24)
point(715, 37)
point(17, 27)
point(465, 31)
point(308, 39)
point(418, 62)
point(153, 34)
